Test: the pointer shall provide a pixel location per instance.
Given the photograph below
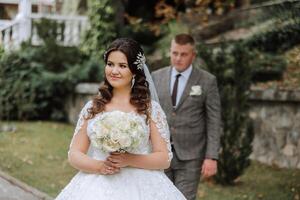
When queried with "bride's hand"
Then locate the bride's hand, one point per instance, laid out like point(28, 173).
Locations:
point(107, 169)
point(118, 160)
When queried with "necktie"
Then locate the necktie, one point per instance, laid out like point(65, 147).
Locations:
point(174, 93)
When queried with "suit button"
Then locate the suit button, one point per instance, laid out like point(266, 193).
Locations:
point(173, 113)
point(172, 129)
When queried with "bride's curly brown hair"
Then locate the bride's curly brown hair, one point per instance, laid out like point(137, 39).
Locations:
point(140, 93)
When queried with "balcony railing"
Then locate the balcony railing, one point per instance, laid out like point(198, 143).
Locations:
point(17, 31)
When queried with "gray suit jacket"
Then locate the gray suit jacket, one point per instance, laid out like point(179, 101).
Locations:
point(195, 123)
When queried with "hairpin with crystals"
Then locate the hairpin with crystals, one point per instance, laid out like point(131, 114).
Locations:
point(140, 61)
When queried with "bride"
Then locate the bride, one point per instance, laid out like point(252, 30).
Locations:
point(137, 175)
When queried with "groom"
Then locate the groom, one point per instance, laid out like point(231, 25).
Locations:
point(190, 98)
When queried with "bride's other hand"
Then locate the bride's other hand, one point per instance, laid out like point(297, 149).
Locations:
point(107, 169)
point(118, 160)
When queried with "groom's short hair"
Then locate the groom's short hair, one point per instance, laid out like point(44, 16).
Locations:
point(184, 38)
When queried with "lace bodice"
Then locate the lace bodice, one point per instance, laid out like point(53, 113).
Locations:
point(157, 116)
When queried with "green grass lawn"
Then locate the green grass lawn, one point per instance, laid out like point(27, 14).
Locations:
point(260, 182)
point(37, 154)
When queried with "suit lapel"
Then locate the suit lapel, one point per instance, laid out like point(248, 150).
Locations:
point(191, 81)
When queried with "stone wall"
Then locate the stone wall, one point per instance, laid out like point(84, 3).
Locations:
point(276, 116)
point(83, 93)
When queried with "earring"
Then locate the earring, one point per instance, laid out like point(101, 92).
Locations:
point(132, 82)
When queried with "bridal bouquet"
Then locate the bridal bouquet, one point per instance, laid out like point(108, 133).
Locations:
point(117, 131)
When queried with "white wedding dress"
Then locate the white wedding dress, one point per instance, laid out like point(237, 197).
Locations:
point(129, 183)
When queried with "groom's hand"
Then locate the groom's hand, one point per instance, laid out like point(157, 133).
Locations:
point(209, 168)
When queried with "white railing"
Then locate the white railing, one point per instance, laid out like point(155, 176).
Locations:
point(13, 34)
point(71, 32)
point(9, 35)
point(4, 22)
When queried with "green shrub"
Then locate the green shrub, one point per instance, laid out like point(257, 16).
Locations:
point(49, 30)
point(285, 33)
point(18, 82)
point(35, 81)
point(103, 28)
point(277, 40)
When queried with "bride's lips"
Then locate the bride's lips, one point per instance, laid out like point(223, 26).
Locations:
point(114, 78)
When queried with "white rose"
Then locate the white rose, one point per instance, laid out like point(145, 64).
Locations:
point(124, 141)
point(115, 135)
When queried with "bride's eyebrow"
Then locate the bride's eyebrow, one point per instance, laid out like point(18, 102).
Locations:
point(121, 63)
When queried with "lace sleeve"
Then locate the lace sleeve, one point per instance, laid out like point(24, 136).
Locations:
point(159, 118)
point(83, 114)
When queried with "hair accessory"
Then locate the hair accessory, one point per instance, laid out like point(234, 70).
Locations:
point(140, 61)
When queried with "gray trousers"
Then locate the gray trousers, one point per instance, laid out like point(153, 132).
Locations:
point(185, 175)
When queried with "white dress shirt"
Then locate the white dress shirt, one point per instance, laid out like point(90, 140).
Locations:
point(182, 80)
